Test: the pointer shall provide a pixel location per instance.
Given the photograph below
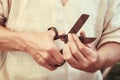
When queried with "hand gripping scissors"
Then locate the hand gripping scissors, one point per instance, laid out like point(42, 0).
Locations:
point(77, 26)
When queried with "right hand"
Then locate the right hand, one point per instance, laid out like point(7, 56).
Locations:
point(42, 48)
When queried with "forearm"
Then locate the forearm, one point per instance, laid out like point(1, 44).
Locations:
point(109, 54)
point(35, 44)
point(10, 40)
point(23, 41)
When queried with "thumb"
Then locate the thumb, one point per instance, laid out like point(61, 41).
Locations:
point(82, 33)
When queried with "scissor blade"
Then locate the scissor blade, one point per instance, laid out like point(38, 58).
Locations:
point(77, 26)
point(86, 40)
point(80, 22)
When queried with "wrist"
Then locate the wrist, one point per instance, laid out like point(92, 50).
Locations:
point(102, 61)
point(19, 41)
point(23, 38)
point(10, 41)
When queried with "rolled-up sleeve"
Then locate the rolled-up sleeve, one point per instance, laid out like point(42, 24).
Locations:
point(4, 10)
point(111, 32)
point(1, 13)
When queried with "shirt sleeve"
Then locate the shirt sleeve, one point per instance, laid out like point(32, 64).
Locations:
point(1, 13)
point(111, 32)
point(4, 10)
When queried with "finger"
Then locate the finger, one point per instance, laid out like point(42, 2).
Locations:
point(68, 56)
point(55, 53)
point(38, 58)
point(82, 33)
point(56, 33)
point(86, 51)
point(48, 58)
point(61, 32)
point(75, 51)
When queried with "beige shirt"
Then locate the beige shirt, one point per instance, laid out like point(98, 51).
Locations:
point(38, 16)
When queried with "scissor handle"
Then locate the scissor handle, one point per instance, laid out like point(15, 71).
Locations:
point(55, 30)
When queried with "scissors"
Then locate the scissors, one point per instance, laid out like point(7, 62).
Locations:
point(77, 26)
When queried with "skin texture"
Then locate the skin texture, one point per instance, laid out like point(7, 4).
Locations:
point(86, 58)
point(78, 55)
point(32, 43)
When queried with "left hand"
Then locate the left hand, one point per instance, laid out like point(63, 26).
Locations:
point(79, 55)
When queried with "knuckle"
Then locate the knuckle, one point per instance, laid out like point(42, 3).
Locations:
point(75, 51)
point(82, 48)
point(69, 58)
point(93, 60)
point(50, 48)
point(41, 61)
point(36, 58)
point(61, 61)
point(77, 41)
point(47, 57)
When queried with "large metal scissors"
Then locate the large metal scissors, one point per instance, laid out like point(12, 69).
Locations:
point(77, 26)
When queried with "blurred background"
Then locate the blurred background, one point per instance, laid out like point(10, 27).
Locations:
point(112, 73)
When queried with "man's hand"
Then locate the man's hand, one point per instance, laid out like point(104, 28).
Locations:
point(79, 55)
point(42, 48)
